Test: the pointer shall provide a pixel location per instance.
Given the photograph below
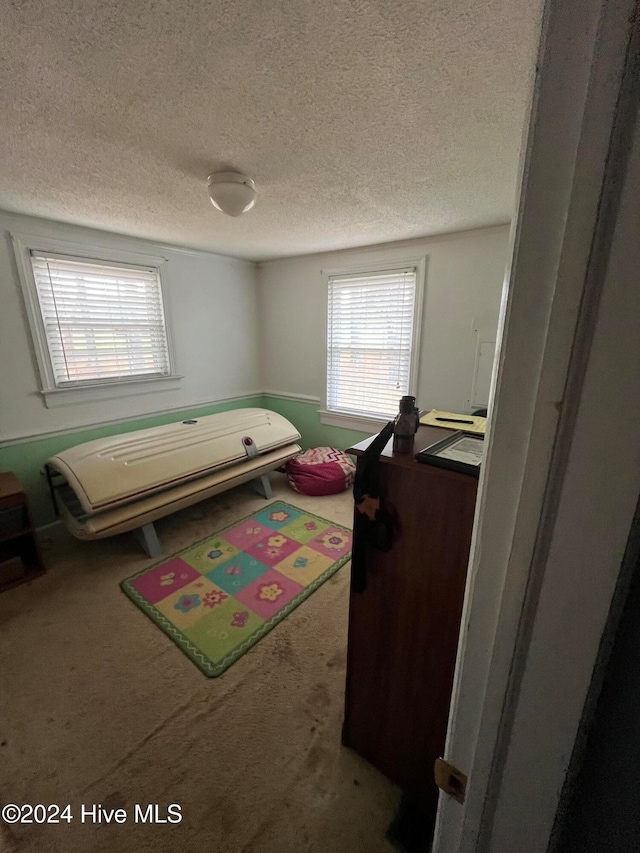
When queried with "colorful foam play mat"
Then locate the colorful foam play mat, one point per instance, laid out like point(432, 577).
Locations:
point(219, 597)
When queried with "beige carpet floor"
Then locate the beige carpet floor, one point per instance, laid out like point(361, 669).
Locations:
point(98, 706)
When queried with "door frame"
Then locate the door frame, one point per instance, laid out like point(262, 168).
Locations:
point(566, 295)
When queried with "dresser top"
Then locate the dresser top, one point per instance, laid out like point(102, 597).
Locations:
point(426, 436)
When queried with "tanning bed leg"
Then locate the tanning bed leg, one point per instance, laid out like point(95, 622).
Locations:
point(263, 486)
point(148, 538)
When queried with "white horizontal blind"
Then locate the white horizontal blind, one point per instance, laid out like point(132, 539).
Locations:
point(102, 321)
point(370, 339)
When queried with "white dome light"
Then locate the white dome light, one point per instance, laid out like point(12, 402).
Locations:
point(231, 192)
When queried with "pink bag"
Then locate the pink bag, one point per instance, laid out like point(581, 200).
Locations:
point(320, 471)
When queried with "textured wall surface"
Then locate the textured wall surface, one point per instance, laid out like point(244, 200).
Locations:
point(361, 122)
point(464, 278)
point(212, 311)
point(234, 337)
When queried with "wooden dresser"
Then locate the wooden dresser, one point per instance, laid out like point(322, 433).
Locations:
point(403, 629)
point(20, 559)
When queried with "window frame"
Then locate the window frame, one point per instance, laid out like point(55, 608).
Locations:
point(90, 390)
point(332, 417)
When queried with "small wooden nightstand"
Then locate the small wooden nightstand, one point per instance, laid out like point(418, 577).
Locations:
point(20, 558)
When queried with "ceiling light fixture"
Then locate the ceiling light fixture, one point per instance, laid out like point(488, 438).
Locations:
point(231, 192)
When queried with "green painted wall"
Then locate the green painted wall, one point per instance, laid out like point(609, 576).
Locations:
point(314, 434)
point(27, 459)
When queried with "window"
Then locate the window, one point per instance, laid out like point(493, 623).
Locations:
point(98, 324)
point(102, 322)
point(372, 341)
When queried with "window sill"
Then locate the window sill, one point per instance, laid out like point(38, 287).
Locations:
point(360, 424)
point(54, 397)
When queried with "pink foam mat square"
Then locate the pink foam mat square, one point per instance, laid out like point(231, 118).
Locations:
point(269, 593)
point(165, 579)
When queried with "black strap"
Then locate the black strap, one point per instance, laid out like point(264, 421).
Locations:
point(376, 533)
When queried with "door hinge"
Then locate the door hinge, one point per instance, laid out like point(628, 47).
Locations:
point(450, 780)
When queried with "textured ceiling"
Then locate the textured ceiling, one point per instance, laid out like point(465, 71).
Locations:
point(361, 121)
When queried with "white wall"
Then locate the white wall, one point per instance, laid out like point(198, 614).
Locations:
point(464, 278)
point(218, 314)
point(212, 310)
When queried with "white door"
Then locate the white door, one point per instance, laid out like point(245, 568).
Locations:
point(485, 334)
point(562, 475)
